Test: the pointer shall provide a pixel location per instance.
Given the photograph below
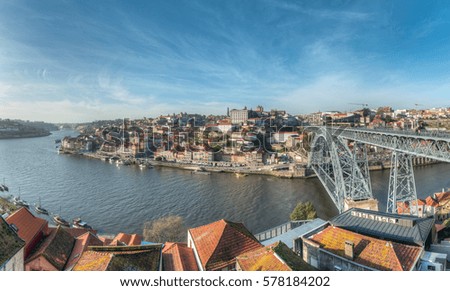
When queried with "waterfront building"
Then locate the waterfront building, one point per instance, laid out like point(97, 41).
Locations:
point(360, 239)
point(337, 249)
point(178, 257)
point(30, 228)
point(12, 248)
point(274, 257)
point(121, 258)
point(216, 245)
point(389, 226)
point(443, 208)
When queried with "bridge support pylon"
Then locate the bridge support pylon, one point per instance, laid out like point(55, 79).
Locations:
point(402, 196)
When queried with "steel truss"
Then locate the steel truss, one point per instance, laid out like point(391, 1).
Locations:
point(402, 188)
point(338, 169)
point(427, 144)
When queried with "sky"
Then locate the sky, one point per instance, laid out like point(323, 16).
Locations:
point(77, 61)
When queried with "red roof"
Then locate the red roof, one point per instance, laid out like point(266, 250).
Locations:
point(219, 243)
point(371, 252)
point(178, 257)
point(420, 202)
point(442, 197)
point(127, 239)
point(29, 226)
point(106, 240)
point(431, 202)
point(81, 244)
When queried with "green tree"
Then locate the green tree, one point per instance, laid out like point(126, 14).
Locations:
point(165, 229)
point(303, 211)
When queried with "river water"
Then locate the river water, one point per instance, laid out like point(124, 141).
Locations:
point(120, 199)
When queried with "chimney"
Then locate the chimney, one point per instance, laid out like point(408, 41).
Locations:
point(348, 249)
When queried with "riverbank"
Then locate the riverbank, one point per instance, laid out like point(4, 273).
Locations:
point(302, 172)
point(6, 206)
point(24, 135)
point(289, 171)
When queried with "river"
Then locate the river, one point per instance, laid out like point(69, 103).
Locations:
point(120, 199)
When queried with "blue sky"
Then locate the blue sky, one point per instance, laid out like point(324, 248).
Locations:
point(71, 61)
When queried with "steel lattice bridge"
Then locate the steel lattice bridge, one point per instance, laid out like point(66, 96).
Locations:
point(344, 170)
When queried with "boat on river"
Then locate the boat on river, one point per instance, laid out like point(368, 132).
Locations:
point(60, 221)
point(20, 203)
point(78, 223)
point(39, 209)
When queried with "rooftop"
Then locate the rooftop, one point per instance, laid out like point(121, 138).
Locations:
point(395, 227)
point(81, 244)
point(178, 257)
point(371, 252)
point(120, 258)
point(275, 257)
point(126, 239)
point(442, 197)
point(10, 242)
point(220, 242)
point(27, 224)
point(56, 248)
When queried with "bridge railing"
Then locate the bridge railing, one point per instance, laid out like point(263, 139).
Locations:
point(412, 133)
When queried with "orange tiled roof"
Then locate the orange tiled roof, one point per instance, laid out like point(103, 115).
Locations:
point(120, 258)
point(93, 261)
point(220, 242)
point(442, 197)
point(106, 240)
point(127, 239)
point(431, 202)
point(178, 257)
point(419, 202)
point(81, 244)
point(29, 225)
point(262, 259)
point(275, 257)
point(368, 251)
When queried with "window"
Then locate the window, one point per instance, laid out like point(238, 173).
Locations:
point(431, 268)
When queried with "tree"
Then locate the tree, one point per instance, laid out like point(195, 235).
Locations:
point(169, 228)
point(303, 211)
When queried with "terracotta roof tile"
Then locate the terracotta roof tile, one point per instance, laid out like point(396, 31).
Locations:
point(219, 243)
point(29, 226)
point(178, 257)
point(81, 244)
point(127, 239)
point(275, 257)
point(368, 251)
point(56, 248)
point(120, 258)
point(106, 240)
point(431, 202)
point(442, 197)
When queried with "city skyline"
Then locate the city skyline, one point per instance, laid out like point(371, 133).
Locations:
point(81, 61)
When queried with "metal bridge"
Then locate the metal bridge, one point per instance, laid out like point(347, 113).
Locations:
point(344, 170)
